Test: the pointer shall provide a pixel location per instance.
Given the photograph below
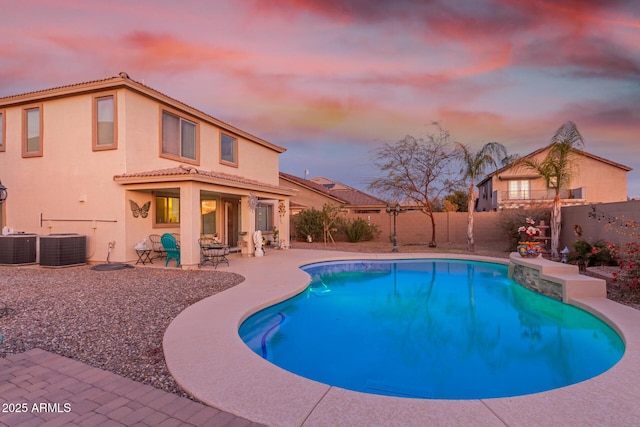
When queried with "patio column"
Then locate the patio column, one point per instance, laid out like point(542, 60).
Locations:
point(247, 226)
point(189, 225)
point(284, 223)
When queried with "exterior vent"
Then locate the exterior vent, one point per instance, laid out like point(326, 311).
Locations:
point(63, 250)
point(18, 249)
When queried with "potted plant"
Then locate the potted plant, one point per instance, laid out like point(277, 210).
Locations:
point(529, 247)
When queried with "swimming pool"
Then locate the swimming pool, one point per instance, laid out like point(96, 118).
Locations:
point(440, 329)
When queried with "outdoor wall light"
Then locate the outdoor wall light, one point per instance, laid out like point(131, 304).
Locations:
point(3, 193)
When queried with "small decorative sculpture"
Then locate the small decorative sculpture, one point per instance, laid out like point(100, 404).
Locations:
point(141, 246)
point(257, 241)
point(253, 202)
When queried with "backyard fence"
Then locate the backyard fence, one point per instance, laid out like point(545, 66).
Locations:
point(414, 227)
point(617, 223)
point(612, 222)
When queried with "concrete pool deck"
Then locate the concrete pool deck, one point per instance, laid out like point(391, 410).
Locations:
point(209, 360)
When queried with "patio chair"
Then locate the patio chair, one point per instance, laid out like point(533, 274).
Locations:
point(213, 252)
point(171, 247)
point(156, 246)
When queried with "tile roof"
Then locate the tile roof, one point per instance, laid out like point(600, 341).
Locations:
point(342, 192)
point(318, 188)
point(206, 176)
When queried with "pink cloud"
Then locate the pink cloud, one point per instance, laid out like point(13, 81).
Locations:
point(147, 51)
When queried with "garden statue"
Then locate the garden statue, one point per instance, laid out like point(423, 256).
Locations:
point(257, 240)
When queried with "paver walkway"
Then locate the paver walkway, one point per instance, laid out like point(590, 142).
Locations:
point(51, 390)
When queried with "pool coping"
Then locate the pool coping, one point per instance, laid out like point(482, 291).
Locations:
point(209, 360)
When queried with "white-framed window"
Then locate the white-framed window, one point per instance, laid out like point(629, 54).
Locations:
point(179, 138)
point(519, 189)
point(264, 217)
point(32, 131)
point(228, 150)
point(104, 122)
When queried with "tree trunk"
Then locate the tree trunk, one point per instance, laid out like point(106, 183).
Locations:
point(556, 213)
point(432, 243)
point(471, 244)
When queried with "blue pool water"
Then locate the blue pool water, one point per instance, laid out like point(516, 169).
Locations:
point(439, 329)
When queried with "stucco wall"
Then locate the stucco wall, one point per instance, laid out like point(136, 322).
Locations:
point(614, 222)
point(69, 184)
point(414, 227)
point(142, 136)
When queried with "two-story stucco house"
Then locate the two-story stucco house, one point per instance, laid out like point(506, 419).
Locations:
point(594, 180)
point(116, 160)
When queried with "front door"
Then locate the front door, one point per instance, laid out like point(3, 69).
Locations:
point(231, 223)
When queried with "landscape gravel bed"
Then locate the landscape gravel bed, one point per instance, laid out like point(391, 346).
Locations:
point(113, 320)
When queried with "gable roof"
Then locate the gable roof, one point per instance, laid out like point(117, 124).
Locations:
point(540, 150)
point(123, 81)
point(338, 191)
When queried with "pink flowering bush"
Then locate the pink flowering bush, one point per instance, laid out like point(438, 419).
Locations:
point(628, 256)
point(529, 230)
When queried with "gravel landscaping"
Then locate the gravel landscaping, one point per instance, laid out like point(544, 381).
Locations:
point(114, 320)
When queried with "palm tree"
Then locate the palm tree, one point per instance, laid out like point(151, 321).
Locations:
point(474, 165)
point(557, 168)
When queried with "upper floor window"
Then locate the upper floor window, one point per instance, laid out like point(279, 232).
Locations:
point(2, 137)
point(32, 132)
point(179, 138)
point(519, 189)
point(228, 149)
point(104, 122)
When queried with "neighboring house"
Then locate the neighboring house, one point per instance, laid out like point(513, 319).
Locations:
point(316, 192)
point(116, 160)
point(594, 180)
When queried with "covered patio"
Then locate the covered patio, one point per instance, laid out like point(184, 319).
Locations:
point(190, 202)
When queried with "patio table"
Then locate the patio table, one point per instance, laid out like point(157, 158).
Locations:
point(143, 256)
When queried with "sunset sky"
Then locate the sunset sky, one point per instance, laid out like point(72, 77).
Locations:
point(331, 80)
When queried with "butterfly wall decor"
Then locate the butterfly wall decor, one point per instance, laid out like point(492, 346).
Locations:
point(139, 211)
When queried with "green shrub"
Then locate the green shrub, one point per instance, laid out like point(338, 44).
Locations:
point(360, 230)
point(586, 254)
point(308, 223)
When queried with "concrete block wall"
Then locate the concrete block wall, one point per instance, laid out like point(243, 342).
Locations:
point(414, 227)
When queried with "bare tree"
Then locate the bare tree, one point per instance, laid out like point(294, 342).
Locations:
point(557, 168)
point(330, 213)
point(417, 171)
point(474, 165)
